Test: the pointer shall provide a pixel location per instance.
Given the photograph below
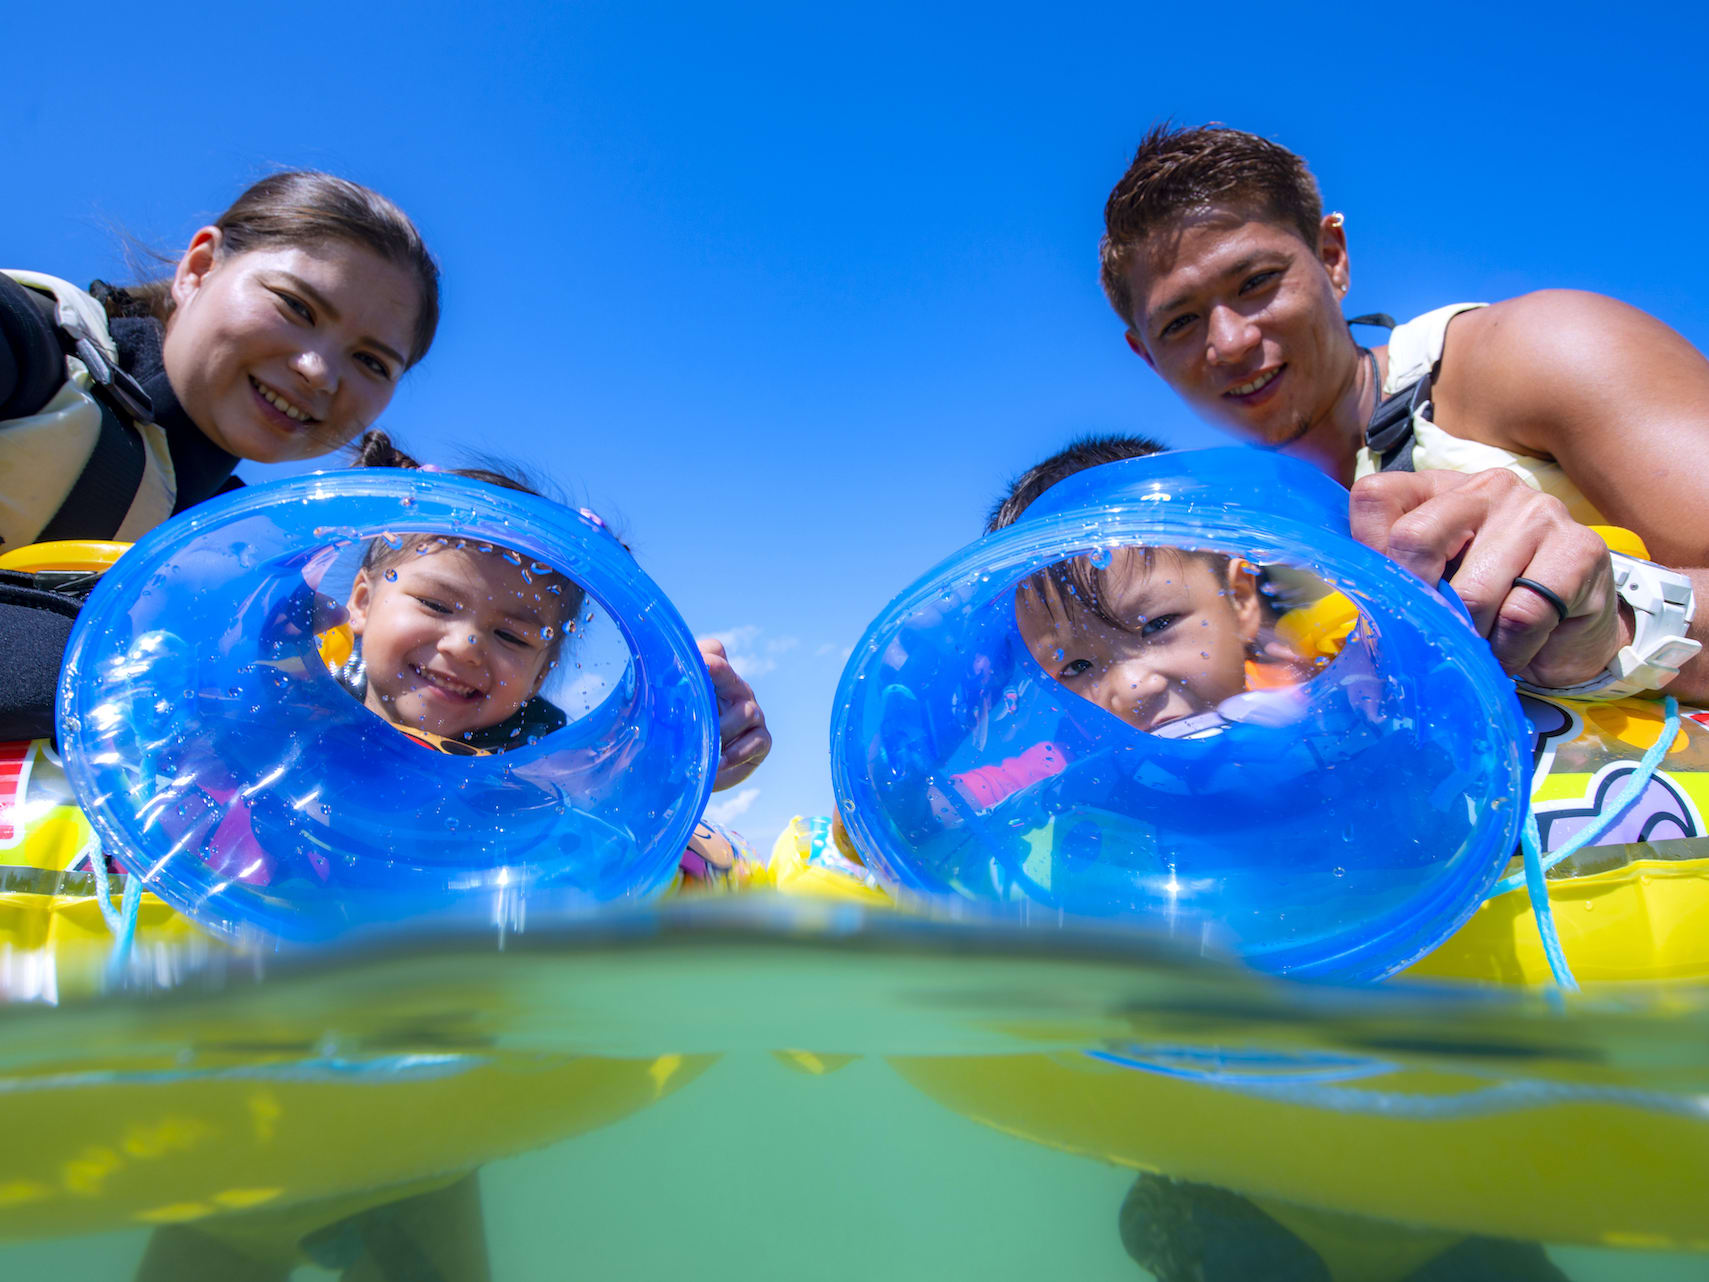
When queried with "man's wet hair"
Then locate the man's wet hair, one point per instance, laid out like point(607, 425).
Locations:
point(1177, 172)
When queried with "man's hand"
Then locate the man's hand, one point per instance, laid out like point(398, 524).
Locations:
point(743, 739)
point(1482, 531)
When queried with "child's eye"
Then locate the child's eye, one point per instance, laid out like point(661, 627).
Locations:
point(438, 607)
point(1161, 623)
point(1073, 668)
point(513, 638)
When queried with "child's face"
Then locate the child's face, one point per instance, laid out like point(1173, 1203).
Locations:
point(1182, 646)
point(453, 638)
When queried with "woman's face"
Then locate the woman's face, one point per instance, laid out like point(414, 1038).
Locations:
point(287, 352)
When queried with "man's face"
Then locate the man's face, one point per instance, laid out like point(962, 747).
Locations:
point(1242, 319)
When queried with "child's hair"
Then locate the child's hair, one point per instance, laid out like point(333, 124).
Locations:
point(1082, 453)
point(1077, 579)
point(376, 449)
point(304, 207)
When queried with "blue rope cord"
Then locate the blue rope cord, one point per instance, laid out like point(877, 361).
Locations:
point(1636, 782)
point(121, 920)
point(1537, 864)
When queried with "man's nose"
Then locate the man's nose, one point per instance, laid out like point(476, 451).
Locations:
point(1232, 336)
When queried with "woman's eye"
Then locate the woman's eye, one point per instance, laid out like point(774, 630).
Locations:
point(1161, 623)
point(375, 363)
point(297, 305)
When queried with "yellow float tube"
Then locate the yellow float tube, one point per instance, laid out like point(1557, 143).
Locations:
point(221, 1130)
point(1588, 1161)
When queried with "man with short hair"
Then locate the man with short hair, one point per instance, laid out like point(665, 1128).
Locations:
point(1482, 442)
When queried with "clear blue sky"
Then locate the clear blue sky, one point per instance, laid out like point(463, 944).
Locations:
point(789, 292)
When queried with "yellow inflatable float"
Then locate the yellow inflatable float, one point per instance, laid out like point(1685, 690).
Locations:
point(222, 1133)
point(1587, 1158)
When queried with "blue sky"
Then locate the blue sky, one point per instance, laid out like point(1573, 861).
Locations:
point(789, 292)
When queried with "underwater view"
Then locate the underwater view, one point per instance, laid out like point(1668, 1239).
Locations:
point(802, 642)
point(771, 1088)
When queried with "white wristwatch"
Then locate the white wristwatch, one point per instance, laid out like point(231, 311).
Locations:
point(1663, 603)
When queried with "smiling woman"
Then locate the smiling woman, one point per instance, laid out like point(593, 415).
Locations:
point(281, 334)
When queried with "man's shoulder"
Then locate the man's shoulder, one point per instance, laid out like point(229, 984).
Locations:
point(1516, 373)
point(1542, 321)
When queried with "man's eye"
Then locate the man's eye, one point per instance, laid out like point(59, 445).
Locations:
point(1161, 623)
point(1258, 280)
point(1176, 326)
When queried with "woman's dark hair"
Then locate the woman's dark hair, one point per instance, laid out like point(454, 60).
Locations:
point(304, 207)
point(376, 449)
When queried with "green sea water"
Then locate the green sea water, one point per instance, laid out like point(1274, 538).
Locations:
point(826, 1166)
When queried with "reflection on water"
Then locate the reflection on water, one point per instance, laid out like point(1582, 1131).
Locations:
point(946, 1123)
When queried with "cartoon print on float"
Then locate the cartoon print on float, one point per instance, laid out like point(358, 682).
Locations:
point(1574, 780)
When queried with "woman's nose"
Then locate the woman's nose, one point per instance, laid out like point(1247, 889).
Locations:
point(316, 369)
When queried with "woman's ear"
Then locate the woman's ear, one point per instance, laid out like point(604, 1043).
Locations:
point(361, 594)
point(193, 268)
point(1244, 598)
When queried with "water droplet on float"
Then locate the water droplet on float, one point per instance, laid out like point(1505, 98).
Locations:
point(848, 807)
point(392, 541)
point(1340, 872)
point(1100, 558)
point(391, 576)
point(512, 557)
point(540, 568)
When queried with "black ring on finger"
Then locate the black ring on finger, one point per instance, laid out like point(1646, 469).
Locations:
point(1546, 594)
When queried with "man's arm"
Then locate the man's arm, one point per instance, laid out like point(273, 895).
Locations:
point(1483, 530)
point(1616, 398)
point(1621, 403)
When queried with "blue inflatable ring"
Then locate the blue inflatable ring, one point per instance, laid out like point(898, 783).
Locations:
point(220, 762)
point(1344, 843)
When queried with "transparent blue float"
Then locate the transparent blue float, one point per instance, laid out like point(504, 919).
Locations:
point(222, 764)
point(1343, 839)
